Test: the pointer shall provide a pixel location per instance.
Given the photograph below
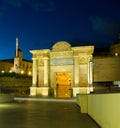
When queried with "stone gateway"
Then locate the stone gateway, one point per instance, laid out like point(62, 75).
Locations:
point(63, 71)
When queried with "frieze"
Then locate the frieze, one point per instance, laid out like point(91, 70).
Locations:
point(83, 50)
point(61, 54)
point(61, 61)
point(40, 53)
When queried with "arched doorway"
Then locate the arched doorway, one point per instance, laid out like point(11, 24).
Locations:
point(63, 84)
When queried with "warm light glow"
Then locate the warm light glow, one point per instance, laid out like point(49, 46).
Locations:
point(10, 71)
point(22, 72)
point(29, 73)
point(116, 54)
point(3, 71)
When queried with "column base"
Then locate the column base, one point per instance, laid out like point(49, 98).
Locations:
point(91, 89)
point(43, 91)
point(82, 101)
point(81, 90)
point(33, 91)
point(84, 90)
point(76, 90)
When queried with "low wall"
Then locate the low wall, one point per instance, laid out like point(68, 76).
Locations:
point(12, 81)
point(6, 98)
point(15, 85)
point(103, 108)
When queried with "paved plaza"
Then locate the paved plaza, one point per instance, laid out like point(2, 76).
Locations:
point(43, 114)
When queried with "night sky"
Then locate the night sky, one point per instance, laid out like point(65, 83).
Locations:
point(40, 23)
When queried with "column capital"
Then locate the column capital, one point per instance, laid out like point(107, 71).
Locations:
point(46, 58)
point(34, 58)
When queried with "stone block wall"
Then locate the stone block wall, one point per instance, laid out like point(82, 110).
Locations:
point(19, 86)
point(106, 69)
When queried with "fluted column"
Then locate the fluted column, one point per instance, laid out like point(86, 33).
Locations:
point(46, 72)
point(34, 78)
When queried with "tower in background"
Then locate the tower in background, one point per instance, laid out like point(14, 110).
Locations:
point(17, 59)
point(17, 64)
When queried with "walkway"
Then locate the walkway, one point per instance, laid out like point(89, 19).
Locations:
point(44, 114)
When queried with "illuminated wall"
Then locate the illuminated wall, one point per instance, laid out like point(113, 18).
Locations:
point(5, 67)
point(105, 109)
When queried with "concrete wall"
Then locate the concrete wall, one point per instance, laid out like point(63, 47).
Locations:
point(105, 109)
point(107, 67)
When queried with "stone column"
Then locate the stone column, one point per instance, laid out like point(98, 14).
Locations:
point(46, 72)
point(34, 77)
point(76, 88)
point(84, 77)
point(33, 89)
point(44, 90)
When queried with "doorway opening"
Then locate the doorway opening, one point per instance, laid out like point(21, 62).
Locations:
point(63, 84)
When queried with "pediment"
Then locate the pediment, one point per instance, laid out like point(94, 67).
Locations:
point(61, 46)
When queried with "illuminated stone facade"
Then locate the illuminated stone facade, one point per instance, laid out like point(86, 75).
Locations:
point(63, 71)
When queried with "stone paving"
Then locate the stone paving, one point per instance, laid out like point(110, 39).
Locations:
point(44, 114)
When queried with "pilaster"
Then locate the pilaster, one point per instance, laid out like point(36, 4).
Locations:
point(33, 91)
point(76, 71)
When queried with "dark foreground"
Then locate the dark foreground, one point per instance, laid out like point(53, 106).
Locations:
point(43, 114)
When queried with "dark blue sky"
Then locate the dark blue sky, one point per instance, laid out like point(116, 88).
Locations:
point(40, 23)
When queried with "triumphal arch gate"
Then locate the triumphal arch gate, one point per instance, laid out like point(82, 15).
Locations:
point(63, 71)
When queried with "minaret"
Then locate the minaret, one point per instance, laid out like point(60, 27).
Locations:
point(16, 46)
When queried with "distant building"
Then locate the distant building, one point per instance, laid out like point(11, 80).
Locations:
point(115, 48)
point(17, 64)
